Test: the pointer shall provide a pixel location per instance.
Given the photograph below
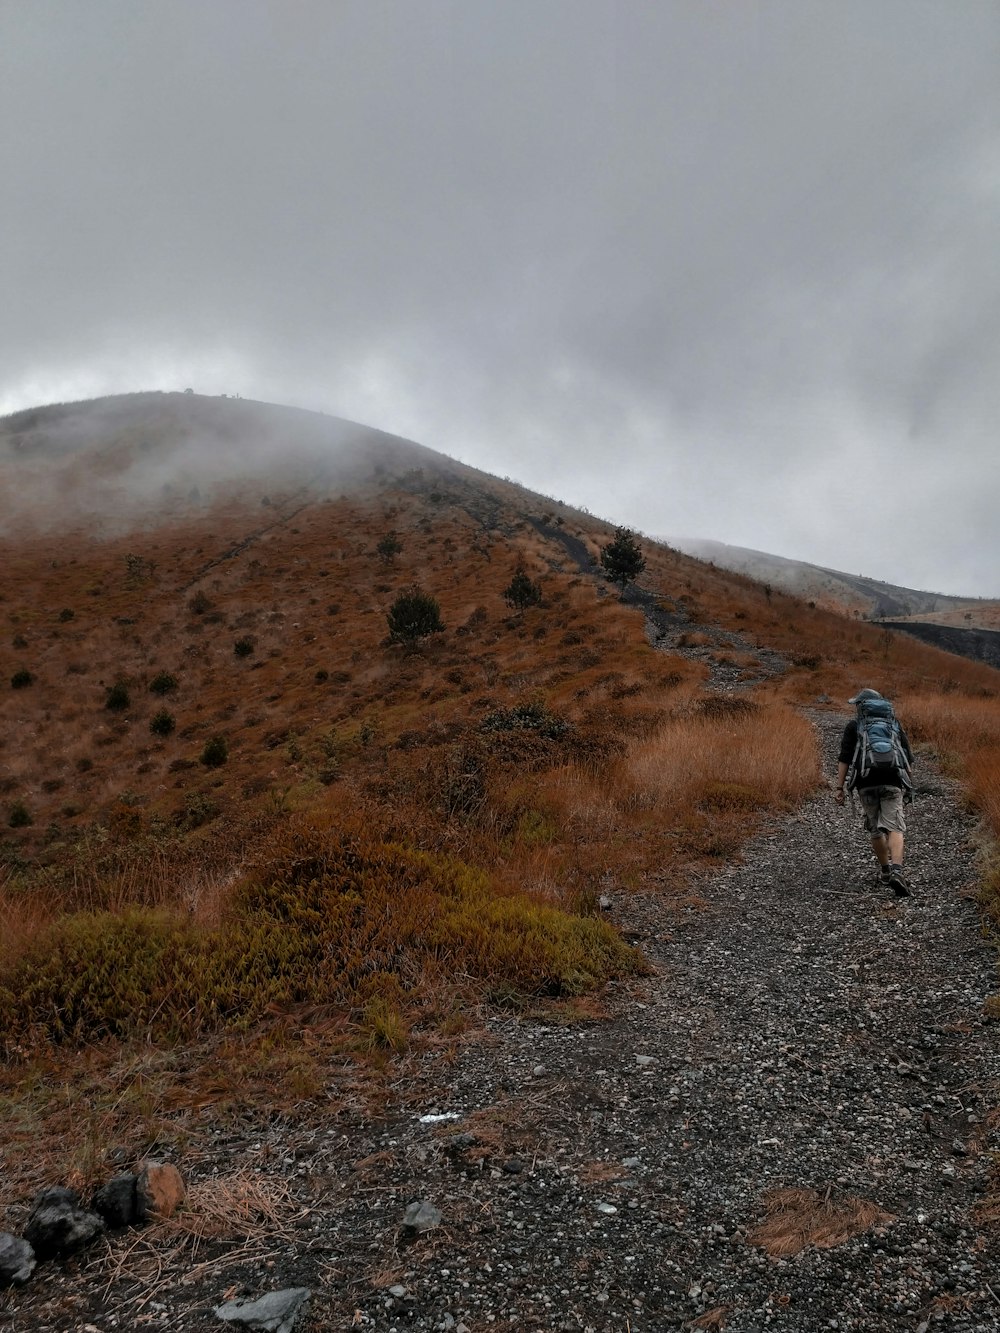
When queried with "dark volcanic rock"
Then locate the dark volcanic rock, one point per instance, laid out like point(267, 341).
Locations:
point(116, 1201)
point(58, 1225)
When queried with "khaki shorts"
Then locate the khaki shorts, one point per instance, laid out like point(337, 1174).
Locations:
point(883, 807)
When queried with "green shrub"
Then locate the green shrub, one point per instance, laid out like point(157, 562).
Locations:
point(66, 614)
point(19, 816)
point(215, 753)
point(163, 683)
point(414, 615)
point(162, 723)
point(532, 716)
point(117, 697)
point(329, 920)
point(244, 647)
point(522, 591)
point(20, 680)
point(389, 547)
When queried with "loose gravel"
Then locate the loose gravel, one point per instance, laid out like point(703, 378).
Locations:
point(802, 1032)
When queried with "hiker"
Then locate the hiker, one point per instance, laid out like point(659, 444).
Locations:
point(875, 759)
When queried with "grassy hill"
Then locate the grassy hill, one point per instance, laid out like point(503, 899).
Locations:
point(237, 815)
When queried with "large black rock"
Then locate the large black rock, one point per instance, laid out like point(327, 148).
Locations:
point(58, 1225)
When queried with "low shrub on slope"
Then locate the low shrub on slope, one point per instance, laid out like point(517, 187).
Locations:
point(330, 920)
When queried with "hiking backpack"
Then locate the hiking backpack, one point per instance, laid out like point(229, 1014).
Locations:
point(880, 747)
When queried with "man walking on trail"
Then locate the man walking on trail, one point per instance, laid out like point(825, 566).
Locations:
point(882, 783)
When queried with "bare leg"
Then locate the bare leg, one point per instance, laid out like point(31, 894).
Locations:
point(880, 846)
point(895, 840)
point(888, 847)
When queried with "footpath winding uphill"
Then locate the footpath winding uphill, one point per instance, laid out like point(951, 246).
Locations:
point(787, 1127)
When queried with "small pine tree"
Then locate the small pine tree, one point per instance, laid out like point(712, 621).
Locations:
point(162, 723)
point(622, 558)
point(389, 547)
point(522, 591)
point(118, 697)
point(414, 615)
point(215, 753)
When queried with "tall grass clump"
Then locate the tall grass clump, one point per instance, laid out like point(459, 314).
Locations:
point(965, 730)
point(750, 757)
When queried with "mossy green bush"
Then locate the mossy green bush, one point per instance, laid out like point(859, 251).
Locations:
point(321, 923)
point(163, 683)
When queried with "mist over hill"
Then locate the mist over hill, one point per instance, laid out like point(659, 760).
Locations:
point(851, 594)
point(115, 463)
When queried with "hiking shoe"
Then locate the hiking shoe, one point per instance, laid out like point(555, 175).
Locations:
point(898, 884)
point(886, 875)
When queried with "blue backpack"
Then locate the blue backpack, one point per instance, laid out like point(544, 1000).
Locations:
point(879, 751)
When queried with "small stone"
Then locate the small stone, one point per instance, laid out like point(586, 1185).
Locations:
point(274, 1313)
point(513, 1166)
point(459, 1142)
point(159, 1191)
point(538, 1071)
point(631, 1162)
point(421, 1216)
point(398, 1290)
point(17, 1260)
point(607, 1208)
point(645, 1060)
point(604, 903)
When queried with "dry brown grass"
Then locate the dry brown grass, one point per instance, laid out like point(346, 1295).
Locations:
point(797, 1217)
point(755, 757)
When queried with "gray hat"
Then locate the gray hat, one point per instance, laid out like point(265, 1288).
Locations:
point(864, 694)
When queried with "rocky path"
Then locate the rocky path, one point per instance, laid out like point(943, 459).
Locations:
point(786, 1128)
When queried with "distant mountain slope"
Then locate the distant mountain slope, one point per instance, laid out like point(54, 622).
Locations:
point(850, 594)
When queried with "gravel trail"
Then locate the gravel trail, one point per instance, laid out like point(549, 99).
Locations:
point(802, 1033)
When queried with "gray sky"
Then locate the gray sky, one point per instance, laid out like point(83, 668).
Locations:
point(720, 269)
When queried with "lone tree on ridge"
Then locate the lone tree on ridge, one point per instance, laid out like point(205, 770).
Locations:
point(622, 559)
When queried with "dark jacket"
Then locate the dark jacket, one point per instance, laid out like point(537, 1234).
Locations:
point(849, 744)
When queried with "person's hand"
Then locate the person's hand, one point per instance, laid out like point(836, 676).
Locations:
point(838, 795)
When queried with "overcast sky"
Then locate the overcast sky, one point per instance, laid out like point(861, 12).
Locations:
point(725, 270)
